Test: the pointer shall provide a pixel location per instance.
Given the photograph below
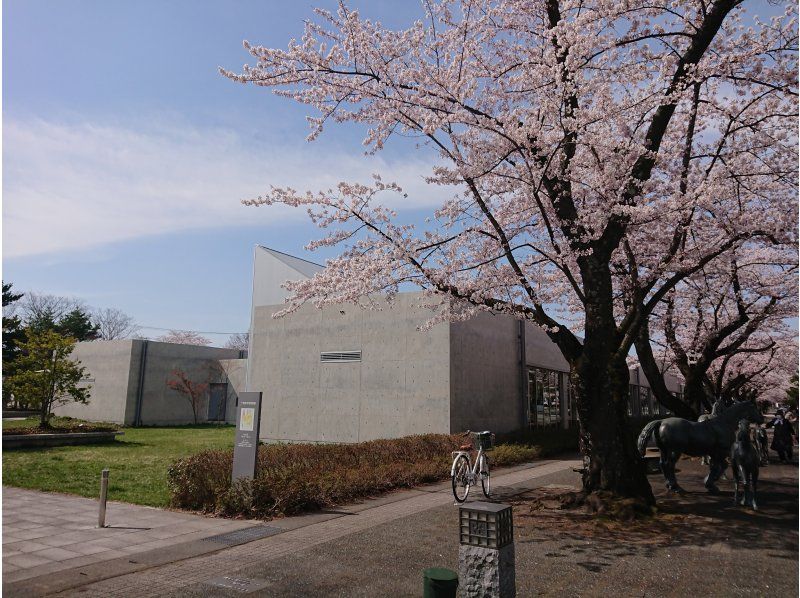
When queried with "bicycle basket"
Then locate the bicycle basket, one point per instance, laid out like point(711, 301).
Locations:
point(484, 440)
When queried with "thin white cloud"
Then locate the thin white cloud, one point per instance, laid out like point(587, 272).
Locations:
point(76, 186)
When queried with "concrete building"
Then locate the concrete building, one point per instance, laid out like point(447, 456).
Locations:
point(129, 382)
point(344, 374)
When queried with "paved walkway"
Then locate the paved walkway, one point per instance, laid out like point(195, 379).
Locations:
point(44, 533)
point(698, 545)
point(292, 536)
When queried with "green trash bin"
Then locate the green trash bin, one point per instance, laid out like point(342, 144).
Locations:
point(439, 583)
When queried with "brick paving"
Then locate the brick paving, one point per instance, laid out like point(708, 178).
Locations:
point(44, 533)
point(301, 533)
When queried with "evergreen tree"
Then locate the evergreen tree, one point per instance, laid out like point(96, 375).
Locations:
point(13, 333)
point(45, 375)
point(41, 322)
point(78, 325)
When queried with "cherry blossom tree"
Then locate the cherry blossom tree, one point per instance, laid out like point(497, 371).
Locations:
point(591, 156)
point(790, 396)
point(183, 337)
point(763, 370)
point(239, 340)
point(721, 322)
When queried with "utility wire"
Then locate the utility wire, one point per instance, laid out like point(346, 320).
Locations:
point(181, 330)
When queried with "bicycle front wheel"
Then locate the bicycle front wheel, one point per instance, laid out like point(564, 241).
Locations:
point(483, 468)
point(461, 478)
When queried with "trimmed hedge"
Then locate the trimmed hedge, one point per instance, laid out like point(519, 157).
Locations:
point(293, 478)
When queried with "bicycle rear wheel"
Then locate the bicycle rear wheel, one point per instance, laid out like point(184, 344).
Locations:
point(460, 480)
point(483, 468)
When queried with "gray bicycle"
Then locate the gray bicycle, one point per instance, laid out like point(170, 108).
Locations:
point(464, 473)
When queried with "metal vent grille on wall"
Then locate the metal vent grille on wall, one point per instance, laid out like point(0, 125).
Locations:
point(339, 356)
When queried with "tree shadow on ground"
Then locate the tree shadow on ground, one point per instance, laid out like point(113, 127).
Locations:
point(692, 519)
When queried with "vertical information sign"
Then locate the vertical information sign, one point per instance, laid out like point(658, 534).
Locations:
point(248, 420)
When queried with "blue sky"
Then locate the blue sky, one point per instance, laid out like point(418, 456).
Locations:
point(126, 154)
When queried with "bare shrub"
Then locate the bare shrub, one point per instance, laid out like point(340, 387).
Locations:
point(293, 478)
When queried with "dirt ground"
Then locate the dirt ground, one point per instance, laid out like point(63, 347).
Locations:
point(697, 544)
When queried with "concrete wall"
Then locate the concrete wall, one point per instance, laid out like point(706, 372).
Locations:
point(485, 374)
point(400, 387)
point(488, 388)
point(638, 377)
point(271, 269)
point(114, 370)
point(236, 375)
point(113, 392)
point(644, 403)
point(541, 352)
point(464, 375)
point(161, 405)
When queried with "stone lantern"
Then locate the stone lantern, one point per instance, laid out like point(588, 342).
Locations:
point(486, 551)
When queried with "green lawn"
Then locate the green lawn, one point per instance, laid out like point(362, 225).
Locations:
point(138, 462)
point(58, 424)
point(28, 422)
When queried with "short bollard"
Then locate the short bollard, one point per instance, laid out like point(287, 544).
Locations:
point(439, 583)
point(486, 551)
point(101, 518)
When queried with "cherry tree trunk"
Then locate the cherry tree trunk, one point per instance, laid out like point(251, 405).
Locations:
point(601, 391)
point(694, 393)
point(601, 383)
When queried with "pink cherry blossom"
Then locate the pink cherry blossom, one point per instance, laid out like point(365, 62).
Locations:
point(592, 157)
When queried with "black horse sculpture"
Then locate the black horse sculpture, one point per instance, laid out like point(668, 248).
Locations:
point(744, 463)
point(762, 444)
point(675, 436)
point(706, 459)
point(719, 407)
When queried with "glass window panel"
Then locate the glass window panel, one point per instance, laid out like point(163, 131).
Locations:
point(544, 392)
point(644, 401)
point(634, 400)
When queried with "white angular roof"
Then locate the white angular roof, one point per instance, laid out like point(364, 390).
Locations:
point(271, 269)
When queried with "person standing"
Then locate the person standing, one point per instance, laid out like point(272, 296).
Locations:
point(782, 436)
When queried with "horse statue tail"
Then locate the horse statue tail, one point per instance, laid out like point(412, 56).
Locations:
point(645, 435)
